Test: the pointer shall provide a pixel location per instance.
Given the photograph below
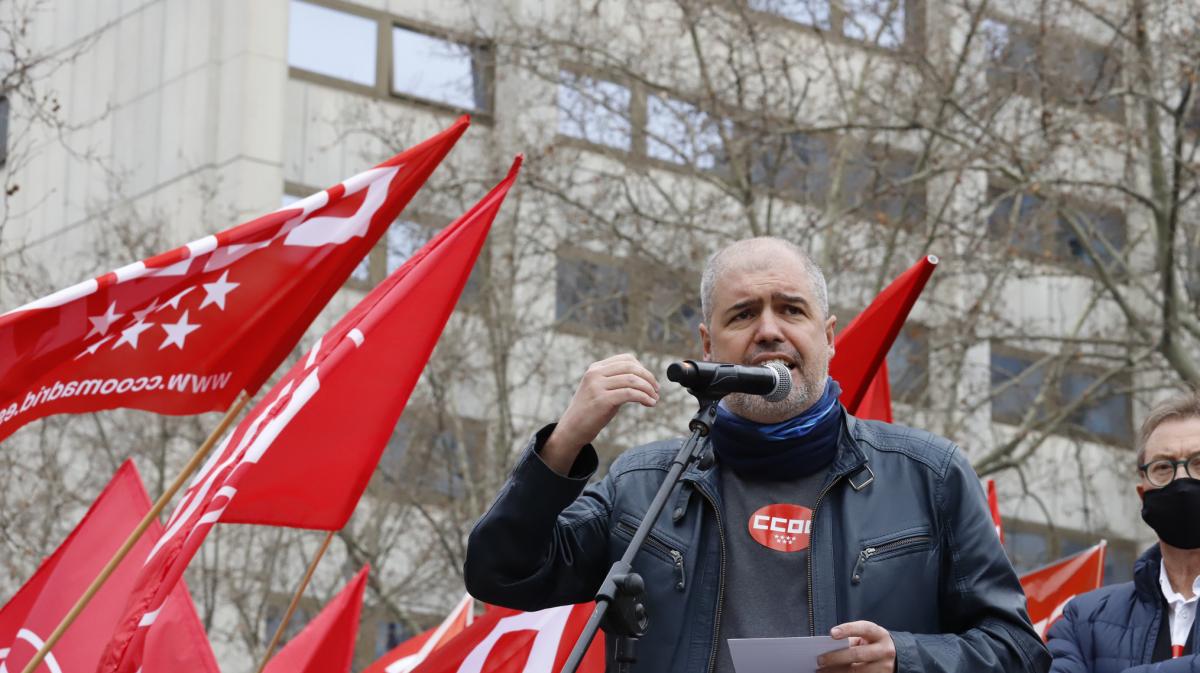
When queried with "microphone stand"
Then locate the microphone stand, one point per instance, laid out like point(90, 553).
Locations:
point(624, 590)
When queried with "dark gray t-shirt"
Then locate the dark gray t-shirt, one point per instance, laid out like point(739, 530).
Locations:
point(767, 527)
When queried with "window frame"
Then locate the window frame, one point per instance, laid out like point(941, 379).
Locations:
point(382, 88)
point(1067, 428)
point(1055, 45)
point(638, 153)
point(643, 276)
point(1053, 205)
point(914, 41)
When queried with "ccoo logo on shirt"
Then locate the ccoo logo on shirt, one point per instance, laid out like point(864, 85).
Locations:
point(782, 527)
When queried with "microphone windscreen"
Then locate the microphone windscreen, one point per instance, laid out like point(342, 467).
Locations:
point(783, 381)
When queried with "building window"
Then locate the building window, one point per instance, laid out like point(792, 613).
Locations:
point(594, 110)
point(1019, 378)
point(681, 133)
point(881, 22)
point(332, 43)
point(908, 364)
point(1031, 546)
point(878, 183)
point(1067, 69)
point(439, 70)
point(3, 129)
point(389, 634)
point(433, 455)
point(651, 124)
point(591, 294)
point(634, 302)
point(277, 608)
point(1043, 230)
point(672, 314)
point(815, 13)
point(798, 165)
point(881, 187)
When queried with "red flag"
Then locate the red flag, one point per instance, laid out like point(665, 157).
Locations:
point(325, 423)
point(864, 343)
point(185, 331)
point(876, 404)
point(508, 641)
point(1048, 589)
point(994, 506)
point(38, 607)
point(409, 654)
point(327, 642)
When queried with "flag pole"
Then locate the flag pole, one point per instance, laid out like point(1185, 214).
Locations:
point(195, 462)
point(287, 616)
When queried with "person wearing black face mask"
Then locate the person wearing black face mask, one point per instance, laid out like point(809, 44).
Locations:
point(1148, 625)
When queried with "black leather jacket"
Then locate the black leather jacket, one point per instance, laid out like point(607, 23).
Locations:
point(901, 536)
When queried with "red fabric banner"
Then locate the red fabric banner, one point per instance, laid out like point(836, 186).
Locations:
point(994, 506)
point(876, 404)
point(185, 331)
point(409, 654)
point(304, 454)
point(38, 607)
point(509, 641)
point(862, 346)
point(1048, 589)
point(327, 642)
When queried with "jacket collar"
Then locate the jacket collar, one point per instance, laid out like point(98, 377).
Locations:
point(1145, 575)
point(850, 460)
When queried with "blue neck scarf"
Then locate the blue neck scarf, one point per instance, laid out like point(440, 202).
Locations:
point(795, 448)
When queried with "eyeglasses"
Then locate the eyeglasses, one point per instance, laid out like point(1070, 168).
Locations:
point(1162, 472)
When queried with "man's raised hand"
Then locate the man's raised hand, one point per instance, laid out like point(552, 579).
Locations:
point(604, 388)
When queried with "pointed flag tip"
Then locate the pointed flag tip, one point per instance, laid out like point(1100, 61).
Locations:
point(516, 164)
point(463, 120)
point(932, 259)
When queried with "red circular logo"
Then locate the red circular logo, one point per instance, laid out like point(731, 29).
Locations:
point(782, 527)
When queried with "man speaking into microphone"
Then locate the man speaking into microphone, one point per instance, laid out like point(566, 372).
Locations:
point(808, 522)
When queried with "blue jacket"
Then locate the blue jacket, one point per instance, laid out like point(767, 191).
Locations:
point(1113, 629)
point(901, 536)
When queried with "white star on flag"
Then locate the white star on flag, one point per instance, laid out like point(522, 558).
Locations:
point(130, 334)
point(141, 315)
point(173, 302)
point(177, 332)
point(91, 350)
point(215, 292)
point(101, 323)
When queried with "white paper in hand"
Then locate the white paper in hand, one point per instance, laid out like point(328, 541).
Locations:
point(780, 655)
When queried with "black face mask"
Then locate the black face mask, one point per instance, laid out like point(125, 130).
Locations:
point(1173, 511)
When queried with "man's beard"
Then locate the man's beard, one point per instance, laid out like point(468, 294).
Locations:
point(808, 384)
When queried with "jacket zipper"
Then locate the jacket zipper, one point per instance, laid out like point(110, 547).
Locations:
point(712, 657)
point(675, 554)
point(812, 612)
point(866, 554)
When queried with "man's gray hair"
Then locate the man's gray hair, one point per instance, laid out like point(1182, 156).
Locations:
point(1179, 407)
point(719, 261)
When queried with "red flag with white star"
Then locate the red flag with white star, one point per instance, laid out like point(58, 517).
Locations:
point(179, 641)
point(185, 331)
point(304, 454)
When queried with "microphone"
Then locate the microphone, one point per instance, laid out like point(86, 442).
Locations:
point(773, 380)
